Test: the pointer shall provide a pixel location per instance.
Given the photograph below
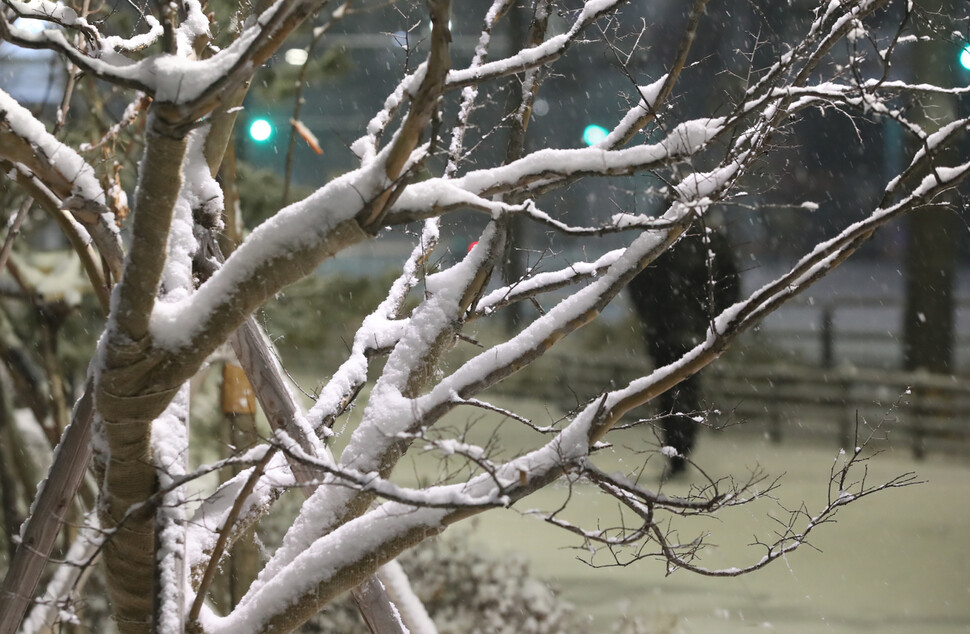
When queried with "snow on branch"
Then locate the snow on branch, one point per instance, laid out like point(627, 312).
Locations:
point(435, 196)
point(329, 566)
point(545, 282)
point(376, 444)
point(470, 94)
point(211, 517)
point(52, 12)
point(177, 78)
point(298, 238)
point(379, 330)
point(447, 497)
point(24, 139)
point(540, 55)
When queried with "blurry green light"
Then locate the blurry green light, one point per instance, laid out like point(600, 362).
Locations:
point(593, 134)
point(260, 130)
point(965, 57)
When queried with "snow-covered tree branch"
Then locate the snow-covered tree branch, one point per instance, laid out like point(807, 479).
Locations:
point(426, 162)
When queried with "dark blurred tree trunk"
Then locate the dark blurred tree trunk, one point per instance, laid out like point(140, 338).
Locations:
point(928, 318)
point(9, 493)
point(930, 270)
point(530, 27)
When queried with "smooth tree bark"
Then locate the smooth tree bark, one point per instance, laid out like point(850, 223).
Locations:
point(172, 300)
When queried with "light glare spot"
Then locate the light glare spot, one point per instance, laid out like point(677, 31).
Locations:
point(593, 134)
point(260, 130)
point(965, 57)
point(295, 56)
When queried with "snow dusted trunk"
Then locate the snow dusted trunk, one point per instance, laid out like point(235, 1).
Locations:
point(131, 392)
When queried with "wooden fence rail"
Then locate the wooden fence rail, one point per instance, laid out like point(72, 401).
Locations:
point(926, 412)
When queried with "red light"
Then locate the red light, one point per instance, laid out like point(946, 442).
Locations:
point(472, 245)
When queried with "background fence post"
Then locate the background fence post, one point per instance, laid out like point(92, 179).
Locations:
point(828, 336)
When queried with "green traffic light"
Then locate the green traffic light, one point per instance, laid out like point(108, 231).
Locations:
point(965, 57)
point(260, 130)
point(593, 134)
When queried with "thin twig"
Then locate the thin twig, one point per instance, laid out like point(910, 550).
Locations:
point(221, 543)
point(14, 231)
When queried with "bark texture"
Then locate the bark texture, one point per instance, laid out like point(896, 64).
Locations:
point(131, 393)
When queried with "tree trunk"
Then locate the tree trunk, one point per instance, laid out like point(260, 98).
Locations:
point(928, 320)
point(132, 391)
point(930, 270)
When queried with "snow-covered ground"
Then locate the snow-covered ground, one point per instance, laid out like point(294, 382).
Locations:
point(895, 562)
